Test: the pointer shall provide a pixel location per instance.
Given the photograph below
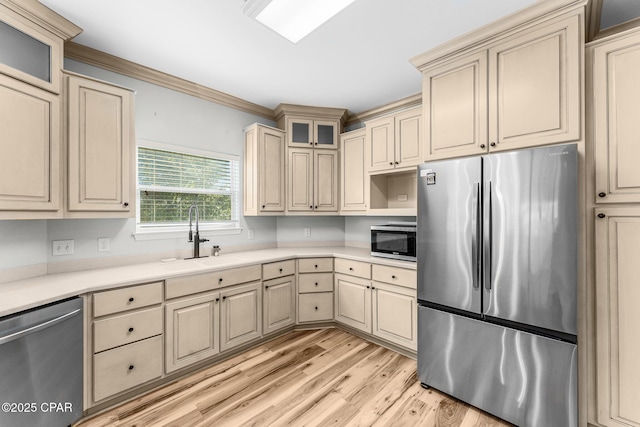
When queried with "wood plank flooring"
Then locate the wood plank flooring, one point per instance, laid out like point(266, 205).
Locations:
point(304, 378)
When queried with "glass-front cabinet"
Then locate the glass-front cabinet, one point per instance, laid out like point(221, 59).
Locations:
point(312, 133)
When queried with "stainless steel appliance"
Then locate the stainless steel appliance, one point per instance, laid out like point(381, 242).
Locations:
point(41, 366)
point(394, 240)
point(497, 277)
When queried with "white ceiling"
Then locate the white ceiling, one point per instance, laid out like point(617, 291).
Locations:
point(358, 60)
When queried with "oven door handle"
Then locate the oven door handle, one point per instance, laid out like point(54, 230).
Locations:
point(44, 325)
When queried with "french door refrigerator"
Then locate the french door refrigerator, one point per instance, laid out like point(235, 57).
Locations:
point(497, 278)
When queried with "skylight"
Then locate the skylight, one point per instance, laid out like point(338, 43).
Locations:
point(293, 19)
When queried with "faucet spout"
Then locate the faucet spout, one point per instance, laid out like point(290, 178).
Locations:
point(195, 239)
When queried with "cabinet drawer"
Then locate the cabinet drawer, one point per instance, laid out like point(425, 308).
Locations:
point(320, 282)
point(125, 367)
point(353, 268)
point(181, 286)
point(315, 307)
point(394, 275)
point(126, 328)
point(126, 299)
point(315, 265)
point(278, 269)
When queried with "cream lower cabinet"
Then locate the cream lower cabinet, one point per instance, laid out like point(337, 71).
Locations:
point(312, 183)
point(264, 171)
point(30, 161)
point(192, 330)
point(279, 304)
point(521, 90)
point(100, 148)
point(125, 340)
point(617, 299)
point(353, 302)
point(240, 315)
point(315, 290)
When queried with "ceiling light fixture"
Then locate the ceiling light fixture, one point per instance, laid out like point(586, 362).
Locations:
point(293, 19)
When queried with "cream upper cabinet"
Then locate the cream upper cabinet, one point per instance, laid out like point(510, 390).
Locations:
point(617, 297)
point(100, 148)
point(616, 113)
point(312, 183)
point(353, 176)
point(30, 160)
point(395, 141)
point(455, 107)
point(512, 91)
point(310, 133)
point(264, 171)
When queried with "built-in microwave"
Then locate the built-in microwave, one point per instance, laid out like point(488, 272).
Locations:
point(394, 240)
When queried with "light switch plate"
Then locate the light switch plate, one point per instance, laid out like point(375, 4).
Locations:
point(62, 247)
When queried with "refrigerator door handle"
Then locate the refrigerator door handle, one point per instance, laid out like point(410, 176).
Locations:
point(475, 233)
point(488, 239)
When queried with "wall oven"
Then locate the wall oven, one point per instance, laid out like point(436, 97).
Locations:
point(395, 240)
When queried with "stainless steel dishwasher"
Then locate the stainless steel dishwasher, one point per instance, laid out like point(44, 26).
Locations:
point(41, 366)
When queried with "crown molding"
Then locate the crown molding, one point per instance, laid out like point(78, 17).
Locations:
point(383, 110)
point(305, 110)
point(43, 17)
point(131, 69)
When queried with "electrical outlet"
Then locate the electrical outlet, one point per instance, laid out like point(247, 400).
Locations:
point(307, 232)
point(62, 247)
point(104, 244)
point(249, 234)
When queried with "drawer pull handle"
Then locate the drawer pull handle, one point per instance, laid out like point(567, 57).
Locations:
point(131, 367)
point(602, 194)
point(350, 268)
point(130, 329)
point(280, 270)
point(131, 299)
point(220, 280)
point(393, 277)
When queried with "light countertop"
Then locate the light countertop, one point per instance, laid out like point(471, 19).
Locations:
point(28, 293)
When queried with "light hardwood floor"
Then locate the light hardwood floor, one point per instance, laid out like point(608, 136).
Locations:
point(304, 378)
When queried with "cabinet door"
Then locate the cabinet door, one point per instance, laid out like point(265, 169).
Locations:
point(352, 303)
point(99, 147)
point(380, 144)
point(192, 330)
point(353, 175)
point(395, 314)
point(325, 134)
point(535, 86)
point(618, 299)
point(300, 180)
point(279, 304)
point(616, 125)
point(272, 170)
point(408, 127)
point(454, 102)
point(240, 315)
point(325, 181)
point(300, 133)
point(30, 138)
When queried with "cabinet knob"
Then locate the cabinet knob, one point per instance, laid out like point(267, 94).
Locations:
point(280, 270)
point(493, 144)
point(316, 283)
point(131, 299)
point(602, 194)
point(316, 266)
point(266, 288)
point(393, 277)
point(310, 207)
point(131, 367)
point(316, 143)
point(601, 215)
point(373, 287)
point(368, 287)
point(217, 299)
point(224, 297)
point(315, 207)
point(316, 308)
point(350, 268)
point(390, 163)
point(126, 204)
point(263, 206)
point(397, 163)
point(220, 280)
point(130, 329)
point(482, 145)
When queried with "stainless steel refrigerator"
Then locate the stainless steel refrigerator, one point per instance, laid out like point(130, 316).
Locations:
point(497, 278)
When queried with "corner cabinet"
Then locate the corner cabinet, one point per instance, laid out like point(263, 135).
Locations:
point(617, 296)
point(240, 315)
point(520, 89)
point(616, 128)
point(264, 171)
point(100, 148)
point(395, 142)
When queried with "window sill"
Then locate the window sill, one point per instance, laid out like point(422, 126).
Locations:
point(141, 235)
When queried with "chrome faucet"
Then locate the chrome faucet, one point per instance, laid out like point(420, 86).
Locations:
point(195, 239)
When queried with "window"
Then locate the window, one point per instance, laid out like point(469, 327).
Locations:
point(170, 181)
